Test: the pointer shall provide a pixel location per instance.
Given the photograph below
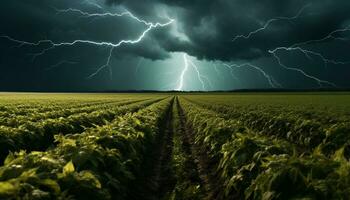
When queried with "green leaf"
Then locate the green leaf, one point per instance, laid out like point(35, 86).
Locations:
point(68, 168)
point(10, 157)
point(137, 121)
point(91, 177)
point(51, 184)
point(6, 188)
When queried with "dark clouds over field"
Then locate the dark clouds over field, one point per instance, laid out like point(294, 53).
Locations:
point(204, 29)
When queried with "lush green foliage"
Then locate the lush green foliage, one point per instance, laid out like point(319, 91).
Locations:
point(106, 146)
point(38, 135)
point(274, 150)
point(98, 163)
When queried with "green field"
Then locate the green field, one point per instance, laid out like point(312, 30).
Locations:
point(175, 146)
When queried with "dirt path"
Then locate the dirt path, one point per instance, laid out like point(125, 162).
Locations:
point(175, 168)
point(158, 179)
point(201, 160)
point(163, 175)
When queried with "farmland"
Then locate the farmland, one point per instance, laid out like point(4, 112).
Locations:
point(175, 146)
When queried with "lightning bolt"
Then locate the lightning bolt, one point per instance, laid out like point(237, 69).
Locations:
point(182, 75)
point(63, 62)
point(200, 77)
point(105, 14)
point(269, 22)
point(106, 65)
point(138, 65)
point(87, 2)
point(298, 47)
point(272, 82)
point(309, 54)
point(217, 70)
point(330, 36)
point(208, 81)
point(319, 81)
point(231, 71)
point(110, 45)
point(219, 74)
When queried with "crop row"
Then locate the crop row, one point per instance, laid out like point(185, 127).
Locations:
point(46, 107)
point(17, 120)
point(326, 115)
point(308, 133)
point(97, 164)
point(328, 109)
point(21, 107)
point(40, 135)
point(254, 166)
point(188, 183)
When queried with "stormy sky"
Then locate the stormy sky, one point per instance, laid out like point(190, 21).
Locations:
point(65, 45)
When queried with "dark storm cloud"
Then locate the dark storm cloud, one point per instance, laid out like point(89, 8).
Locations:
point(212, 25)
point(209, 26)
point(35, 20)
point(204, 29)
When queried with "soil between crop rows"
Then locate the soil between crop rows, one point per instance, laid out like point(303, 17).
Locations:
point(159, 178)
